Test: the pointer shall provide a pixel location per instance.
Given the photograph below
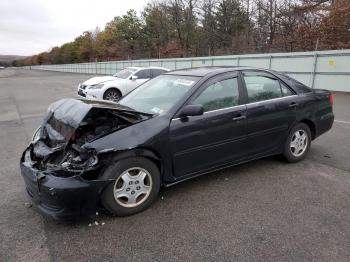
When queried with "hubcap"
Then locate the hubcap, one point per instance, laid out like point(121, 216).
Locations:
point(112, 95)
point(133, 187)
point(298, 143)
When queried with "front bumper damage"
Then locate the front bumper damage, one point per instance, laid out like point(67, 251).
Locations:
point(62, 198)
point(62, 175)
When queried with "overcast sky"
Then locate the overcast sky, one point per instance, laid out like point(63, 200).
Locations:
point(29, 27)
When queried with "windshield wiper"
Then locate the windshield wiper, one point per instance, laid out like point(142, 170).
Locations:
point(132, 110)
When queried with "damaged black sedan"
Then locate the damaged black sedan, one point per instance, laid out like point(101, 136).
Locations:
point(91, 154)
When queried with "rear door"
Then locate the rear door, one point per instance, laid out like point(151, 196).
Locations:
point(271, 110)
point(156, 72)
point(215, 138)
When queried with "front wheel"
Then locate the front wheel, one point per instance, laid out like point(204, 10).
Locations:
point(136, 186)
point(298, 143)
point(112, 94)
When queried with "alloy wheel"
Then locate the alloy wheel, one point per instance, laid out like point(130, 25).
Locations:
point(133, 187)
point(112, 95)
point(299, 143)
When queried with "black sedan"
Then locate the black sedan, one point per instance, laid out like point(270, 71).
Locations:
point(182, 124)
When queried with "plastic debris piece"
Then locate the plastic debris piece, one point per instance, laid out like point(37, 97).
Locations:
point(96, 223)
point(96, 213)
point(28, 204)
point(103, 223)
point(90, 225)
point(161, 197)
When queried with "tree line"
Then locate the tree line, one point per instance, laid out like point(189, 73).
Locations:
point(185, 28)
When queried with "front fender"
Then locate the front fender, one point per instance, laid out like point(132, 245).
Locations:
point(113, 155)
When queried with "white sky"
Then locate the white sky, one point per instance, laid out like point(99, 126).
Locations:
point(29, 27)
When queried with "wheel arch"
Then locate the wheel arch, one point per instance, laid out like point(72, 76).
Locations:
point(112, 87)
point(137, 152)
point(311, 126)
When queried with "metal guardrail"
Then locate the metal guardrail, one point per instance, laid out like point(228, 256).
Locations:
point(321, 69)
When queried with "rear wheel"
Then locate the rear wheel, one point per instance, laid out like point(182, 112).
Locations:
point(136, 186)
point(112, 94)
point(298, 143)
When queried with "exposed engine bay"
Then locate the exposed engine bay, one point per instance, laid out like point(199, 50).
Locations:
point(59, 142)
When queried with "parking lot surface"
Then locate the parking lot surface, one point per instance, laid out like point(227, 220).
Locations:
point(265, 210)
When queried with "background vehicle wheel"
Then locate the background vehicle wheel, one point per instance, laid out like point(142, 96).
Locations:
point(112, 94)
point(136, 186)
point(298, 143)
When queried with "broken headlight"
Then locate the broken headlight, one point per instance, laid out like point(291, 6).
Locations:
point(79, 158)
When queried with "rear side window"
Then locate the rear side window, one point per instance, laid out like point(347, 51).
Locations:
point(262, 88)
point(219, 95)
point(143, 74)
point(157, 72)
point(285, 90)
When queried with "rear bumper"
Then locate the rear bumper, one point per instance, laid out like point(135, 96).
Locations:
point(62, 198)
point(324, 123)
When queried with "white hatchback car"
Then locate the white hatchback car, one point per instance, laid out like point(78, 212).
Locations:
point(118, 85)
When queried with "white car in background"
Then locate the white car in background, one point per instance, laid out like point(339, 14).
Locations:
point(114, 87)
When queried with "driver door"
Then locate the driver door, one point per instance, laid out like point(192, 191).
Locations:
point(217, 137)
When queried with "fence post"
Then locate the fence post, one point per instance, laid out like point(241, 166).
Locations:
point(314, 70)
point(270, 60)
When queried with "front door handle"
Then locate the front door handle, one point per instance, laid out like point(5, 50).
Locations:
point(239, 117)
point(293, 104)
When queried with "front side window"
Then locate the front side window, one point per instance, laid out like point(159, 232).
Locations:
point(159, 94)
point(219, 95)
point(143, 74)
point(125, 73)
point(262, 88)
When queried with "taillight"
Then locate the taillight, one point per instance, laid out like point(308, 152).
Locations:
point(331, 99)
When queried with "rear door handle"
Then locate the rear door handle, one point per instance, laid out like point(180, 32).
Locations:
point(293, 104)
point(239, 117)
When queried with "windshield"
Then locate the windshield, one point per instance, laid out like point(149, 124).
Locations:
point(158, 95)
point(125, 73)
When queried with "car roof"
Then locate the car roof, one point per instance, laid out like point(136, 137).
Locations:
point(210, 70)
point(148, 67)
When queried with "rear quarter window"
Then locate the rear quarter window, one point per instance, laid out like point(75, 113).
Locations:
point(296, 85)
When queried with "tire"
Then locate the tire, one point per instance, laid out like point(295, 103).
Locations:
point(112, 94)
point(298, 143)
point(130, 193)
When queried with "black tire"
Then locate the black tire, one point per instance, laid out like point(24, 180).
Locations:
point(115, 171)
point(288, 151)
point(112, 94)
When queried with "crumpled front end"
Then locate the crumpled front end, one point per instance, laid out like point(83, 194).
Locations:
point(61, 175)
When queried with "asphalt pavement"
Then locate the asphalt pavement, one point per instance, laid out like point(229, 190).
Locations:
point(265, 210)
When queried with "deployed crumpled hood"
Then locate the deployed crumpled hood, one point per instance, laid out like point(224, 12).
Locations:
point(69, 111)
point(99, 79)
point(71, 123)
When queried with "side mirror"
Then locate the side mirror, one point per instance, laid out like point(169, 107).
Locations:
point(133, 78)
point(192, 110)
